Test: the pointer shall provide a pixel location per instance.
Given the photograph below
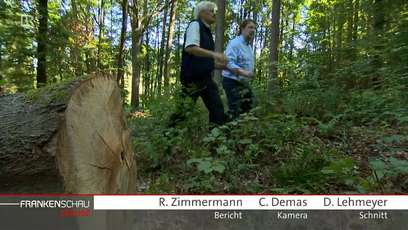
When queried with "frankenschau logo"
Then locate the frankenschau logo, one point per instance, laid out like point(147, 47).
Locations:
point(55, 204)
point(66, 207)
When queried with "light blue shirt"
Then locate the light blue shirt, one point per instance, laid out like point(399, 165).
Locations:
point(240, 55)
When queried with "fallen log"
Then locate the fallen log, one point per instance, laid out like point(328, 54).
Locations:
point(74, 131)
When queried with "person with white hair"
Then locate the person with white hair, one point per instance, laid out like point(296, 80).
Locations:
point(198, 63)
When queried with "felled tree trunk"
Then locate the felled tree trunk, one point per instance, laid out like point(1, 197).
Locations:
point(75, 131)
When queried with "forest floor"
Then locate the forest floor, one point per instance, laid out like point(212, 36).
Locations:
point(272, 151)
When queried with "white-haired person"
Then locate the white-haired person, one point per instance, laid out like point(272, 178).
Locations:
point(198, 63)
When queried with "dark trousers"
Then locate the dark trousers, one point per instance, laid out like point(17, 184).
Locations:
point(188, 97)
point(239, 95)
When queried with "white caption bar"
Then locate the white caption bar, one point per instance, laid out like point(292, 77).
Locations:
point(250, 202)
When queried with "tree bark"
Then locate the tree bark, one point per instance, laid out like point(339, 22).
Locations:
point(101, 25)
point(73, 132)
point(255, 17)
point(77, 29)
point(350, 22)
point(169, 43)
point(136, 42)
point(281, 26)
point(147, 75)
point(339, 33)
point(274, 44)
point(1, 67)
point(139, 23)
point(137, 32)
point(146, 72)
point(219, 33)
point(42, 43)
point(178, 51)
point(157, 47)
point(379, 7)
point(292, 36)
point(356, 19)
point(161, 55)
point(120, 61)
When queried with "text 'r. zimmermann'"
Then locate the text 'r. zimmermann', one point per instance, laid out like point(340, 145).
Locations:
point(179, 202)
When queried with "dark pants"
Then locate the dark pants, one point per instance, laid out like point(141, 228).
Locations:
point(239, 95)
point(188, 97)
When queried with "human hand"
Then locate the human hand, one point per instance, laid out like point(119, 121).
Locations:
point(220, 58)
point(247, 74)
point(221, 66)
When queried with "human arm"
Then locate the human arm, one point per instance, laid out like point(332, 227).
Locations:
point(192, 45)
point(232, 52)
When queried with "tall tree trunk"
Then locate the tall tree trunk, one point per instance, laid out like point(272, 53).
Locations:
point(139, 22)
point(101, 25)
point(262, 42)
point(157, 48)
point(219, 32)
point(292, 39)
point(378, 29)
point(274, 44)
point(42, 43)
point(350, 52)
point(355, 19)
point(255, 17)
point(331, 29)
point(74, 49)
point(339, 33)
point(379, 16)
point(1, 67)
point(350, 21)
point(178, 51)
point(147, 66)
point(284, 40)
point(89, 35)
point(146, 73)
point(120, 71)
point(169, 43)
point(111, 21)
point(281, 26)
point(136, 42)
point(161, 58)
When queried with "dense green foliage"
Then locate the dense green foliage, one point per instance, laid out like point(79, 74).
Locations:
point(311, 141)
point(335, 122)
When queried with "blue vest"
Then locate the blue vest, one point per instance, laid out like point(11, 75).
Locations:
point(195, 69)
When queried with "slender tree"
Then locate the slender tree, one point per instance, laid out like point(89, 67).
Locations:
point(101, 29)
point(137, 33)
point(356, 18)
point(120, 58)
point(161, 52)
point(139, 20)
point(219, 31)
point(42, 38)
point(169, 42)
point(274, 43)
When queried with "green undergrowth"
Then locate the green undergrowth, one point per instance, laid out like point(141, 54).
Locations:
point(301, 139)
